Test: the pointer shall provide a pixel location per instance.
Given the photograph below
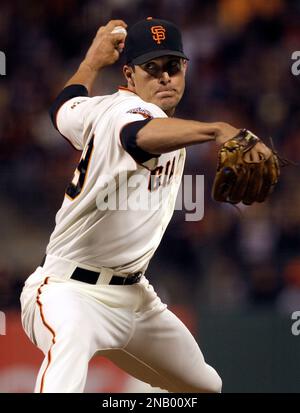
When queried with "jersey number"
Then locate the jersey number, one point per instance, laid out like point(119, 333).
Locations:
point(75, 187)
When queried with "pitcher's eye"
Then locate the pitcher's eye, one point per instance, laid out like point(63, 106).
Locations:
point(151, 68)
point(174, 67)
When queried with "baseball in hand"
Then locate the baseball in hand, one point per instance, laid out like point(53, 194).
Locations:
point(119, 29)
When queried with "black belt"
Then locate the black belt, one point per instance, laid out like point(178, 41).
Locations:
point(91, 277)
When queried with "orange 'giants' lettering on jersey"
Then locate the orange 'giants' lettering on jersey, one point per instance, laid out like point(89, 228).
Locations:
point(158, 33)
point(161, 175)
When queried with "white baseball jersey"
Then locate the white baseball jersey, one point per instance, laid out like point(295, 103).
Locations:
point(106, 221)
point(113, 214)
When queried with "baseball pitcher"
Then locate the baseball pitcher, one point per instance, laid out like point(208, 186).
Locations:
point(90, 294)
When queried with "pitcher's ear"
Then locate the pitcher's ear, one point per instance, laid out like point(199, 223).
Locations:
point(129, 75)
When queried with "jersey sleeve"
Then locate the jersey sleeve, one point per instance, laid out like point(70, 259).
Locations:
point(69, 112)
point(141, 113)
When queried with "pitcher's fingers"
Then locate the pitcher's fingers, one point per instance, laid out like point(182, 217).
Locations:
point(117, 37)
point(114, 23)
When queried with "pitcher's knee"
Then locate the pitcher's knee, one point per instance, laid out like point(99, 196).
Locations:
point(215, 386)
point(210, 382)
point(213, 382)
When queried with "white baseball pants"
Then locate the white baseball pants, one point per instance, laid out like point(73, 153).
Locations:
point(71, 321)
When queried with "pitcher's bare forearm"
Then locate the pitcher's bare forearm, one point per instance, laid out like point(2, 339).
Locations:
point(85, 76)
point(168, 134)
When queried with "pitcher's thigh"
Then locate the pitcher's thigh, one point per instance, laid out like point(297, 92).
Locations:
point(75, 320)
point(164, 344)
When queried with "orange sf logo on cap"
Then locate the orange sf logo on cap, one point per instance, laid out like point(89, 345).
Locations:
point(158, 33)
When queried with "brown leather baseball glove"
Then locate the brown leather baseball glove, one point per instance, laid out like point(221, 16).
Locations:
point(242, 177)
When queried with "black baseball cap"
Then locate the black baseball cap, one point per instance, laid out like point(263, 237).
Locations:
point(152, 38)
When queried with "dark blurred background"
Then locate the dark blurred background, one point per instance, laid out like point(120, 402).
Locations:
point(233, 278)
